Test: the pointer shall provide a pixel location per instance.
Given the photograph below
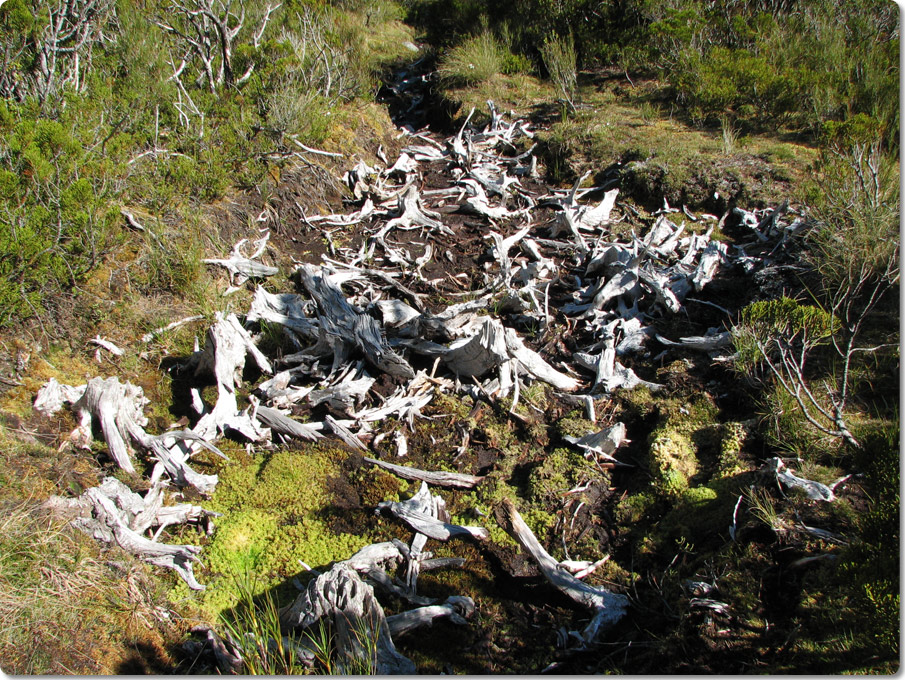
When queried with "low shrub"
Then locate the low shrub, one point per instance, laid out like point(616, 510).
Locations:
point(473, 61)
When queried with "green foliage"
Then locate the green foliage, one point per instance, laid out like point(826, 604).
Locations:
point(560, 471)
point(769, 64)
point(765, 323)
point(475, 60)
point(560, 60)
point(110, 124)
point(55, 221)
point(736, 79)
point(632, 509)
point(254, 626)
point(872, 564)
point(679, 442)
point(854, 198)
point(733, 438)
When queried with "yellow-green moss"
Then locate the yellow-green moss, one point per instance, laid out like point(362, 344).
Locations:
point(686, 427)
point(673, 462)
point(574, 425)
point(632, 509)
point(276, 511)
point(560, 471)
point(240, 542)
point(733, 437)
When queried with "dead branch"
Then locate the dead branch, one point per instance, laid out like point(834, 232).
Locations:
point(608, 608)
point(453, 480)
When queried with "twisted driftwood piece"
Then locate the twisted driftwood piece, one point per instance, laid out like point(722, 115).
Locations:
point(457, 609)
point(341, 325)
point(118, 409)
point(815, 490)
point(416, 513)
point(242, 268)
point(224, 356)
point(603, 443)
point(362, 636)
point(111, 513)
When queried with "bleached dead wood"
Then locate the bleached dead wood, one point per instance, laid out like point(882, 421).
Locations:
point(344, 433)
point(53, 395)
point(118, 408)
point(603, 443)
point(278, 422)
point(608, 608)
point(110, 524)
point(659, 283)
point(495, 346)
point(478, 203)
point(413, 514)
point(452, 480)
point(405, 403)
point(343, 396)
point(374, 560)
point(147, 337)
point(287, 309)
point(107, 345)
point(224, 355)
point(279, 393)
point(711, 258)
point(340, 324)
point(413, 215)
point(354, 614)
point(596, 216)
point(457, 609)
point(319, 152)
point(389, 278)
point(173, 454)
point(475, 356)
point(242, 267)
point(396, 312)
point(532, 364)
point(704, 343)
point(139, 514)
point(623, 283)
point(611, 374)
point(367, 210)
point(814, 490)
